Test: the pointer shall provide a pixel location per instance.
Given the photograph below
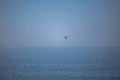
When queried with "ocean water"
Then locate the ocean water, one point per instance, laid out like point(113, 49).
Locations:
point(73, 63)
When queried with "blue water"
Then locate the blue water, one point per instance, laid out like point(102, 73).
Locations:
point(73, 63)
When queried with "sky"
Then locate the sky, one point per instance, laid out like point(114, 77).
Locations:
point(44, 23)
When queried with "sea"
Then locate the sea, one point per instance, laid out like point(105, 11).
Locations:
point(60, 63)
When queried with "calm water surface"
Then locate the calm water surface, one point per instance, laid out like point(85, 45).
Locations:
point(60, 64)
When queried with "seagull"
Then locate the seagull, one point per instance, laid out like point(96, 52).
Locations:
point(66, 37)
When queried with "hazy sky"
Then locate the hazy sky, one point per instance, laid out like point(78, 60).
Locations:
point(38, 23)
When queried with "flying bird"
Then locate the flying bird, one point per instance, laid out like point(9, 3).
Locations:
point(66, 37)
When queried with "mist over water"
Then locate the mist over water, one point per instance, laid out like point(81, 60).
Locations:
point(43, 25)
point(62, 63)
